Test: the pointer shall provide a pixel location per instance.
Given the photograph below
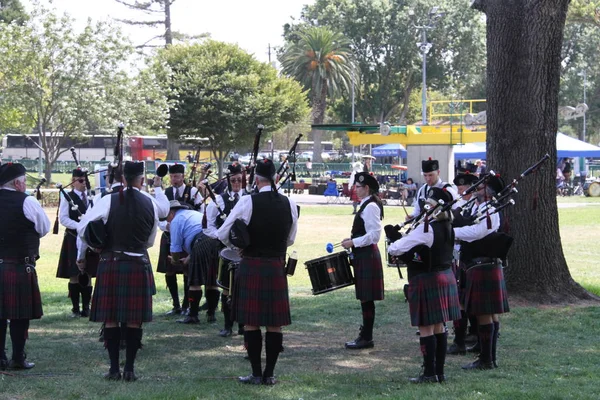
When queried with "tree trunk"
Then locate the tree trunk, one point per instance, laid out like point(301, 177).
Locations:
point(172, 148)
point(168, 31)
point(318, 115)
point(524, 40)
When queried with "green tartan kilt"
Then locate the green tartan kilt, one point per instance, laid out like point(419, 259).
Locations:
point(19, 291)
point(124, 289)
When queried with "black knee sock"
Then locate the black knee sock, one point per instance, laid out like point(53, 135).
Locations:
point(273, 346)
point(212, 298)
point(368, 314)
point(460, 329)
point(3, 328)
point(134, 340)
point(253, 341)
point(186, 288)
point(18, 336)
point(194, 301)
point(112, 342)
point(486, 334)
point(173, 289)
point(473, 325)
point(86, 297)
point(227, 324)
point(428, 347)
point(441, 340)
point(495, 339)
point(74, 289)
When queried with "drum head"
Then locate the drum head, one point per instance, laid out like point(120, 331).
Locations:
point(230, 255)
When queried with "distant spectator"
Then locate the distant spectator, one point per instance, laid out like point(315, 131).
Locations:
point(189, 157)
point(309, 166)
point(480, 168)
point(409, 191)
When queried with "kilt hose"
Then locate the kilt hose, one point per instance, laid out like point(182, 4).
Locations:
point(204, 261)
point(164, 265)
point(485, 290)
point(19, 291)
point(260, 293)
point(433, 298)
point(368, 273)
point(124, 289)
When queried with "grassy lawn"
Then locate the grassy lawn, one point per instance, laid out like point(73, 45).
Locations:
point(544, 352)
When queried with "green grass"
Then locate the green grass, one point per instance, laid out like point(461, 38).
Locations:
point(544, 352)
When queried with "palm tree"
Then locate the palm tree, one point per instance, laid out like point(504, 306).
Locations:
point(322, 60)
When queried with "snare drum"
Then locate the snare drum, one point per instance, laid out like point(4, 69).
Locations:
point(229, 261)
point(591, 189)
point(330, 272)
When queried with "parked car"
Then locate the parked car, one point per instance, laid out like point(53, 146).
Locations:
point(305, 155)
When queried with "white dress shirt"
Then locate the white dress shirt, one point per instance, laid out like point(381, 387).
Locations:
point(212, 214)
point(422, 194)
point(243, 211)
point(371, 215)
point(479, 230)
point(416, 237)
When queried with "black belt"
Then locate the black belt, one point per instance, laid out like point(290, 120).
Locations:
point(18, 260)
point(481, 260)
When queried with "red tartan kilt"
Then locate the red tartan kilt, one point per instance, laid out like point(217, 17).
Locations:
point(353, 195)
point(67, 263)
point(124, 289)
point(204, 261)
point(485, 290)
point(368, 273)
point(164, 265)
point(19, 292)
point(433, 298)
point(261, 293)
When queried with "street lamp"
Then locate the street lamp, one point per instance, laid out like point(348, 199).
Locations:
point(584, 75)
point(432, 17)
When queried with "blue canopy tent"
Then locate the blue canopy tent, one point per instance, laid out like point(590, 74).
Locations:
point(565, 145)
point(389, 150)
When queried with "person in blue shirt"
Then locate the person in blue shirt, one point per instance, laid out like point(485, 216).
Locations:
point(185, 227)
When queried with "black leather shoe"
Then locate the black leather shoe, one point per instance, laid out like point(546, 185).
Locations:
point(21, 364)
point(75, 314)
point(85, 313)
point(225, 332)
point(441, 378)
point(189, 320)
point(455, 350)
point(210, 318)
point(3, 364)
point(269, 381)
point(478, 364)
point(476, 348)
point(112, 376)
point(129, 376)
point(424, 379)
point(360, 343)
point(173, 311)
point(185, 312)
point(250, 380)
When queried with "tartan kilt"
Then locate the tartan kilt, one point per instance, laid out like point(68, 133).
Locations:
point(124, 289)
point(67, 262)
point(433, 298)
point(368, 273)
point(164, 265)
point(260, 293)
point(485, 290)
point(19, 291)
point(204, 261)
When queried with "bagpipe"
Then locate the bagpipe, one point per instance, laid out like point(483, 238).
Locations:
point(283, 173)
point(250, 183)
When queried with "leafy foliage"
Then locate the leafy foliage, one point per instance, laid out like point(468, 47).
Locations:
point(221, 92)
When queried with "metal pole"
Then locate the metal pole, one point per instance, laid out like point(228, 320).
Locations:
point(584, 102)
point(353, 72)
point(424, 94)
point(40, 168)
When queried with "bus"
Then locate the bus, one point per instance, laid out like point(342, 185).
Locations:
point(101, 147)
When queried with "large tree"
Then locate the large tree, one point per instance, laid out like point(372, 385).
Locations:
point(524, 39)
point(384, 41)
point(222, 93)
point(322, 60)
point(157, 14)
point(12, 11)
point(63, 82)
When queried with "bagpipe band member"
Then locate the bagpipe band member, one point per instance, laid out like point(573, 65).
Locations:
point(431, 174)
point(225, 202)
point(461, 217)
point(74, 253)
point(125, 283)
point(270, 222)
point(24, 222)
point(368, 270)
point(186, 194)
point(485, 296)
point(185, 226)
point(432, 291)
